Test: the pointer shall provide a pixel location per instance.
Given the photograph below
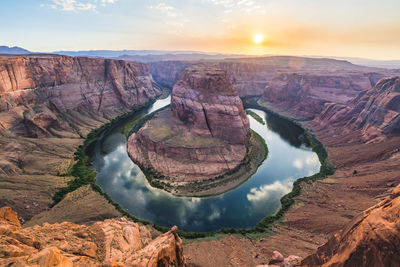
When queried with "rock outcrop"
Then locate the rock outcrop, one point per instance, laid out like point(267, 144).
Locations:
point(113, 242)
point(48, 103)
point(371, 239)
point(305, 94)
point(277, 260)
point(38, 91)
point(374, 113)
point(204, 134)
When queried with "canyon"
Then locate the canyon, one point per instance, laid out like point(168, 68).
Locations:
point(50, 103)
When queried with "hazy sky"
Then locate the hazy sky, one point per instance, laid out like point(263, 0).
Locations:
point(361, 28)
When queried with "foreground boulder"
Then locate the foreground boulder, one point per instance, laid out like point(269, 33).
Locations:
point(277, 260)
point(372, 239)
point(203, 135)
point(115, 242)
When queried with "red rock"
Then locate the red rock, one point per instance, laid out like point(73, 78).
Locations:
point(305, 94)
point(8, 216)
point(374, 113)
point(276, 257)
point(371, 239)
point(44, 86)
point(116, 242)
point(202, 136)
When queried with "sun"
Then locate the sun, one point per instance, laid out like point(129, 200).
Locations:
point(258, 38)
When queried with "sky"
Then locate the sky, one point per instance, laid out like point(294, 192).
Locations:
point(345, 28)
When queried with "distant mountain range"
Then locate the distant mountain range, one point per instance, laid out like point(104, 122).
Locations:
point(146, 56)
point(13, 50)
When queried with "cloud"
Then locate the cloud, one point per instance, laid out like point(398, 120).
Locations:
point(298, 163)
point(310, 160)
point(268, 192)
point(169, 10)
point(74, 5)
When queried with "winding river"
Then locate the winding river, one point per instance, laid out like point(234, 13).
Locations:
point(289, 158)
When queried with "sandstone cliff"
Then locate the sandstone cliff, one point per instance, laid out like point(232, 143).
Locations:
point(371, 239)
point(305, 94)
point(204, 134)
point(113, 242)
point(374, 114)
point(250, 76)
point(48, 103)
point(37, 92)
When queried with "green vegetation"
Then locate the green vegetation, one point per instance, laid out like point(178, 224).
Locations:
point(246, 167)
point(84, 175)
point(256, 116)
point(81, 171)
point(129, 126)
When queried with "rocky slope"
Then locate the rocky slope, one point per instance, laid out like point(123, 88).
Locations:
point(48, 103)
point(374, 114)
point(371, 239)
point(113, 242)
point(306, 93)
point(204, 134)
point(37, 92)
point(250, 76)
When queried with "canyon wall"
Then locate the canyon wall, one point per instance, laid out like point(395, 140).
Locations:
point(320, 79)
point(48, 103)
point(374, 113)
point(36, 90)
point(305, 94)
point(204, 134)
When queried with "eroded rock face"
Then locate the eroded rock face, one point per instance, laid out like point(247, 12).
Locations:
point(203, 135)
point(37, 90)
point(375, 113)
point(305, 94)
point(115, 242)
point(372, 239)
point(205, 101)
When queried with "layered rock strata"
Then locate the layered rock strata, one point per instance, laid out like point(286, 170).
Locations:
point(371, 239)
point(204, 134)
point(305, 94)
point(113, 242)
point(48, 103)
point(374, 113)
point(38, 92)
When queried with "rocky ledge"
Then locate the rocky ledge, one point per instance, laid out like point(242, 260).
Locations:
point(371, 239)
point(204, 134)
point(114, 242)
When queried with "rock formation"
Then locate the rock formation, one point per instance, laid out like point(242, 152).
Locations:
point(113, 242)
point(37, 91)
point(374, 113)
point(371, 239)
point(48, 103)
point(305, 94)
point(250, 76)
point(204, 134)
point(277, 260)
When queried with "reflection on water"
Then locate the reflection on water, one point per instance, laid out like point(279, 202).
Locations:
point(289, 158)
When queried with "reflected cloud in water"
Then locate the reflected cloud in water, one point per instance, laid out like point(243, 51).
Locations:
point(243, 206)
